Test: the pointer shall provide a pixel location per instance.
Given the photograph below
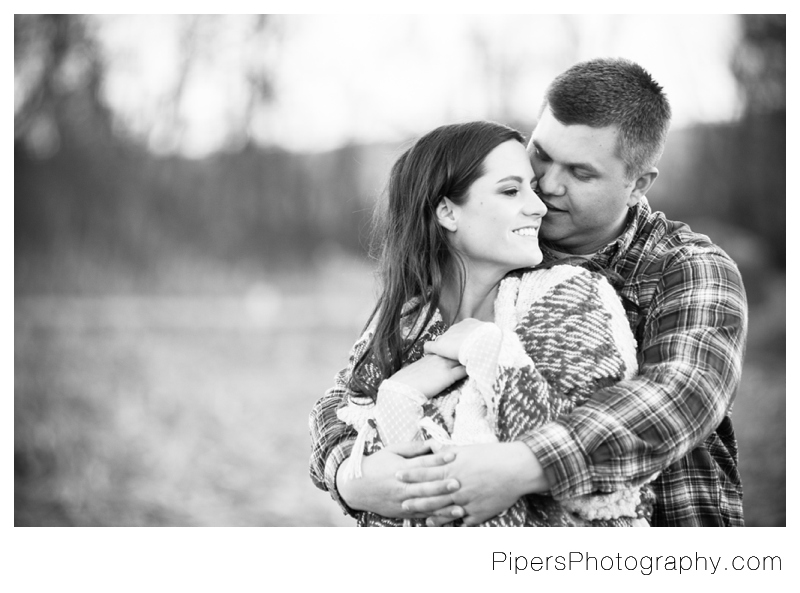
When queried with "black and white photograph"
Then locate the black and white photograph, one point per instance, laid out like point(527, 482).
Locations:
point(427, 270)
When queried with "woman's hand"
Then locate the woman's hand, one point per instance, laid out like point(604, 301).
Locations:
point(449, 343)
point(431, 374)
point(380, 491)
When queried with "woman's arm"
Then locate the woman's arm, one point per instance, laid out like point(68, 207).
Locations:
point(574, 337)
point(579, 339)
point(378, 490)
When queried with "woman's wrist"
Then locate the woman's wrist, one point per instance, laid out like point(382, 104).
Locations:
point(345, 486)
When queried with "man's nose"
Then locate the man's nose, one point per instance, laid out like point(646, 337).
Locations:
point(550, 183)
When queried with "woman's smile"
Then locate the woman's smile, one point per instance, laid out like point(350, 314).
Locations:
point(528, 231)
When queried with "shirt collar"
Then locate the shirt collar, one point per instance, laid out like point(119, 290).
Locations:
point(609, 256)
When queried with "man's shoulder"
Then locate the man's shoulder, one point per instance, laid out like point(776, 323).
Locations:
point(661, 243)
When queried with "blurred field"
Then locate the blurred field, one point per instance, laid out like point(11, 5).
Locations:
point(178, 410)
point(182, 410)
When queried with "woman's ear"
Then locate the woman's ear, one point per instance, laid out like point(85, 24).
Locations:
point(447, 214)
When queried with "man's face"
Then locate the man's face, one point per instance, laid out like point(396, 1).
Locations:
point(582, 182)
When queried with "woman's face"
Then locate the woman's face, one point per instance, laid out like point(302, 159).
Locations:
point(497, 227)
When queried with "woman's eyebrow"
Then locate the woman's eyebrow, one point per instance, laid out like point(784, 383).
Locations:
point(510, 178)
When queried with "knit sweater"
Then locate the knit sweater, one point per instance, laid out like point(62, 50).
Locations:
point(559, 335)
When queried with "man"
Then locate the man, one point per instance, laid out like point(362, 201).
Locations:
point(601, 131)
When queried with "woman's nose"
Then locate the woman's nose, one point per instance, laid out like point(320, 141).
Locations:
point(534, 206)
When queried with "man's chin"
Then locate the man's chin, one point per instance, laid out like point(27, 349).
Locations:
point(548, 232)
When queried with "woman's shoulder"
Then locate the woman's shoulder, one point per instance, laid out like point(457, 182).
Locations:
point(568, 287)
point(556, 274)
point(574, 303)
point(581, 283)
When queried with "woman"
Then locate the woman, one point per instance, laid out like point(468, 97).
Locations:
point(467, 344)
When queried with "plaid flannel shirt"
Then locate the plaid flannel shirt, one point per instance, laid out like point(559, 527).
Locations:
point(686, 304)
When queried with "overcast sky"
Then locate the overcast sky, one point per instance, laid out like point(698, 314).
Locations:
point(341, 78)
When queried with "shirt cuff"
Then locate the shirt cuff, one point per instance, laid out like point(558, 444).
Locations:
point(335, 459)
point(562, 459)
point(398, 411)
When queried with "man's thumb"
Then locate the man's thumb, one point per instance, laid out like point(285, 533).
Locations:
point(410, 448)
point(435, 445)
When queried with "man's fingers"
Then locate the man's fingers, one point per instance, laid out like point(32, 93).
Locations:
point(425, 472)
point(436, 521)
point(436, 446)
point(472, 521)
point(436, 460)
point(450, 512)
point(410, 448)
point(432, 489)
point(428, 504)
point(444, 516)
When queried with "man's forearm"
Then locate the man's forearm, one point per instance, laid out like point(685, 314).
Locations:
point(690, 358)
point(530, 475)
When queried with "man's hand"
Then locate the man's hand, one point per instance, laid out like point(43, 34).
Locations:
point(492, 477)
point(378, 489)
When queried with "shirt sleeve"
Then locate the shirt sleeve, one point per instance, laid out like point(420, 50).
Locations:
point(690, 362)
point(398, 410)
point(331, 439)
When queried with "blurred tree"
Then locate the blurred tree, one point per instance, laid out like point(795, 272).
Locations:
point(259, 76)
point(759, 63)
point(87, 189)
point(55, 58)
point(734, 173)
point(218, 81)
point(502, 64)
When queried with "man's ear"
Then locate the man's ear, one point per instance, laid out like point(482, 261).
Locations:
point(447, 214)
point(642, 185)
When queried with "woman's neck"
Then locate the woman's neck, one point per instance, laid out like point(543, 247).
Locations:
point(477, 301)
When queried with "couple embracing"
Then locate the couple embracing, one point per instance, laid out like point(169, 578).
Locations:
point(546, 349)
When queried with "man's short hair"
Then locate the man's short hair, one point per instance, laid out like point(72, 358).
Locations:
point(615, 91)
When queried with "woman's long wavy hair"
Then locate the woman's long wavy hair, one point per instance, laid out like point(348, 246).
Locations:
point(414, 253)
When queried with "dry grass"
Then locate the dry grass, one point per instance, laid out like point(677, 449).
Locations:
point(193, 411)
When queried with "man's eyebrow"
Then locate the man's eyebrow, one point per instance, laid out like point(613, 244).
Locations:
point(587, 166)
point(539, 147)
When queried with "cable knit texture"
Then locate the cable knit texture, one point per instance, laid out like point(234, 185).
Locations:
point(559, 335)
